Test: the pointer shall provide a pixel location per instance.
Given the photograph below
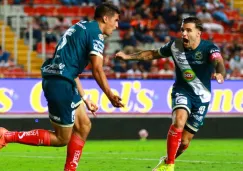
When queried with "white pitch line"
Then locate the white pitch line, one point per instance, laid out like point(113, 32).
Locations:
point(127, 153)
point(124, 158)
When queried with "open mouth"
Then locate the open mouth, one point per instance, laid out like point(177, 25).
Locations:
point(185, 40)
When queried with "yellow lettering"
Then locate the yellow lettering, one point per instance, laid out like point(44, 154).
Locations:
point(105, 103)
point(5, 101)
point(35, 98)
point(169, 99)
point(94, 94)
point(144, 100)
point(222, 96)
point(238, 100)
point(125, 95)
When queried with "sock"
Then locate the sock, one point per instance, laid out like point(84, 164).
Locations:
point(181, 149)
point(74, 152)
point(36, 137)
point(173, 143)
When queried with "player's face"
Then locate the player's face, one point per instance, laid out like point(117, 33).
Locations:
point(111, 24)
point(190, 34)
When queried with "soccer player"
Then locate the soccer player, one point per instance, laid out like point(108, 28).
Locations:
point(82, 43)
point(195, 61)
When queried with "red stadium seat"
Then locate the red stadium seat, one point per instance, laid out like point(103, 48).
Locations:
point(51, 11)
point(74, 11)
point(63, 10)
point(40, 11)
point(47, 1)
point(29, 10)
point(38, 1)
point(205, 36)
point(86, 11)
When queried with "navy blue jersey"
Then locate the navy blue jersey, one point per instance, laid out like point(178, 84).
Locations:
point(193, 67)
point(73, 51)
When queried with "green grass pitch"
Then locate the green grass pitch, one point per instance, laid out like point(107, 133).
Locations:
point(134, 155)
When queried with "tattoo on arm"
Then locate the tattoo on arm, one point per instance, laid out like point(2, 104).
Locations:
point(219, 66)
point(145, 55)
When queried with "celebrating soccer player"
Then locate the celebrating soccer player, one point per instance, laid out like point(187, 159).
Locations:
point(195, 60)
point(82, 43)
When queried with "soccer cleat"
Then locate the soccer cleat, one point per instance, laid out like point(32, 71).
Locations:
point(170, 167)
point(162, 166)
point(2, 139)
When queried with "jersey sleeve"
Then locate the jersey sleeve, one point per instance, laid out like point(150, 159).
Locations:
point(165, 51)
point(97, 45)
point(214, 52)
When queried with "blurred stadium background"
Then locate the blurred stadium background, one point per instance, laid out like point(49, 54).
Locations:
point(30, 29)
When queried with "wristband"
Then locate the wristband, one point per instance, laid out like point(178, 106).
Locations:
point(85, 97)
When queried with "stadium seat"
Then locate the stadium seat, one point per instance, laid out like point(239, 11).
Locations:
point(86, 11)
point(205, 36)
point(29, 10)
point(40, 11)
point(74, 11)
point(51, 11)
point(64, 10)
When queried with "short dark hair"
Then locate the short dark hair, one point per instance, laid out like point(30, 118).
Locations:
point(106, 8)
point(194, 20)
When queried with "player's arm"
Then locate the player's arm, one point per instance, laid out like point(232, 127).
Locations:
point(80, 88)
point(218, 63)
point(92, 107)
point(142, 55)
point(101, 79)
point(162, 52)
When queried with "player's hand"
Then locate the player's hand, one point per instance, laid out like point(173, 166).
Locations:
point(92, 107)
point(116, 101)
point(122, 56)
point(219, 77)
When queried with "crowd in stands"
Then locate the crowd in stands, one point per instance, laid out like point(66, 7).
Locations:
point(4, 58)
point(152, 23)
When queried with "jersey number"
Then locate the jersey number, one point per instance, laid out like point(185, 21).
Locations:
point(201, 109)
point(69, 32)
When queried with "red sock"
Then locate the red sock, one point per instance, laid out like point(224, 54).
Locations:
point(74, 152)
point(36, 137)
point(173, 143)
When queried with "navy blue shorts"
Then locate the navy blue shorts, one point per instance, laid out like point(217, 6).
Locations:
point(193, 105)
point(62, 98)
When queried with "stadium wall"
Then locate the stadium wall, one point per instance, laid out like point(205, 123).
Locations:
point(128, 128)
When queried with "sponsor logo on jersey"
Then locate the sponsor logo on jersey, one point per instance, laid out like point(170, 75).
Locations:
point(214, 50)
point(188, 75)
point(181, 100)
point(101, 37)
point(198, 55)
point(98, 46)
point(81, 25)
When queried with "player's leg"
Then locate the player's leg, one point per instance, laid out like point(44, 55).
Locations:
point(80, 133)
point(181, 108)
point(195, 120)
point(37, 137)
point(174, 135)
point(185, 141)
point(60, 113)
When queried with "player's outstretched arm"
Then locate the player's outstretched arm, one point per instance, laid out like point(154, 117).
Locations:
point(100, 77)
point(142, 55)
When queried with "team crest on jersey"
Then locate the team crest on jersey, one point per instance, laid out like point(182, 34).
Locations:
point(188, 75)
point(198, 55)
point(101, 37)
